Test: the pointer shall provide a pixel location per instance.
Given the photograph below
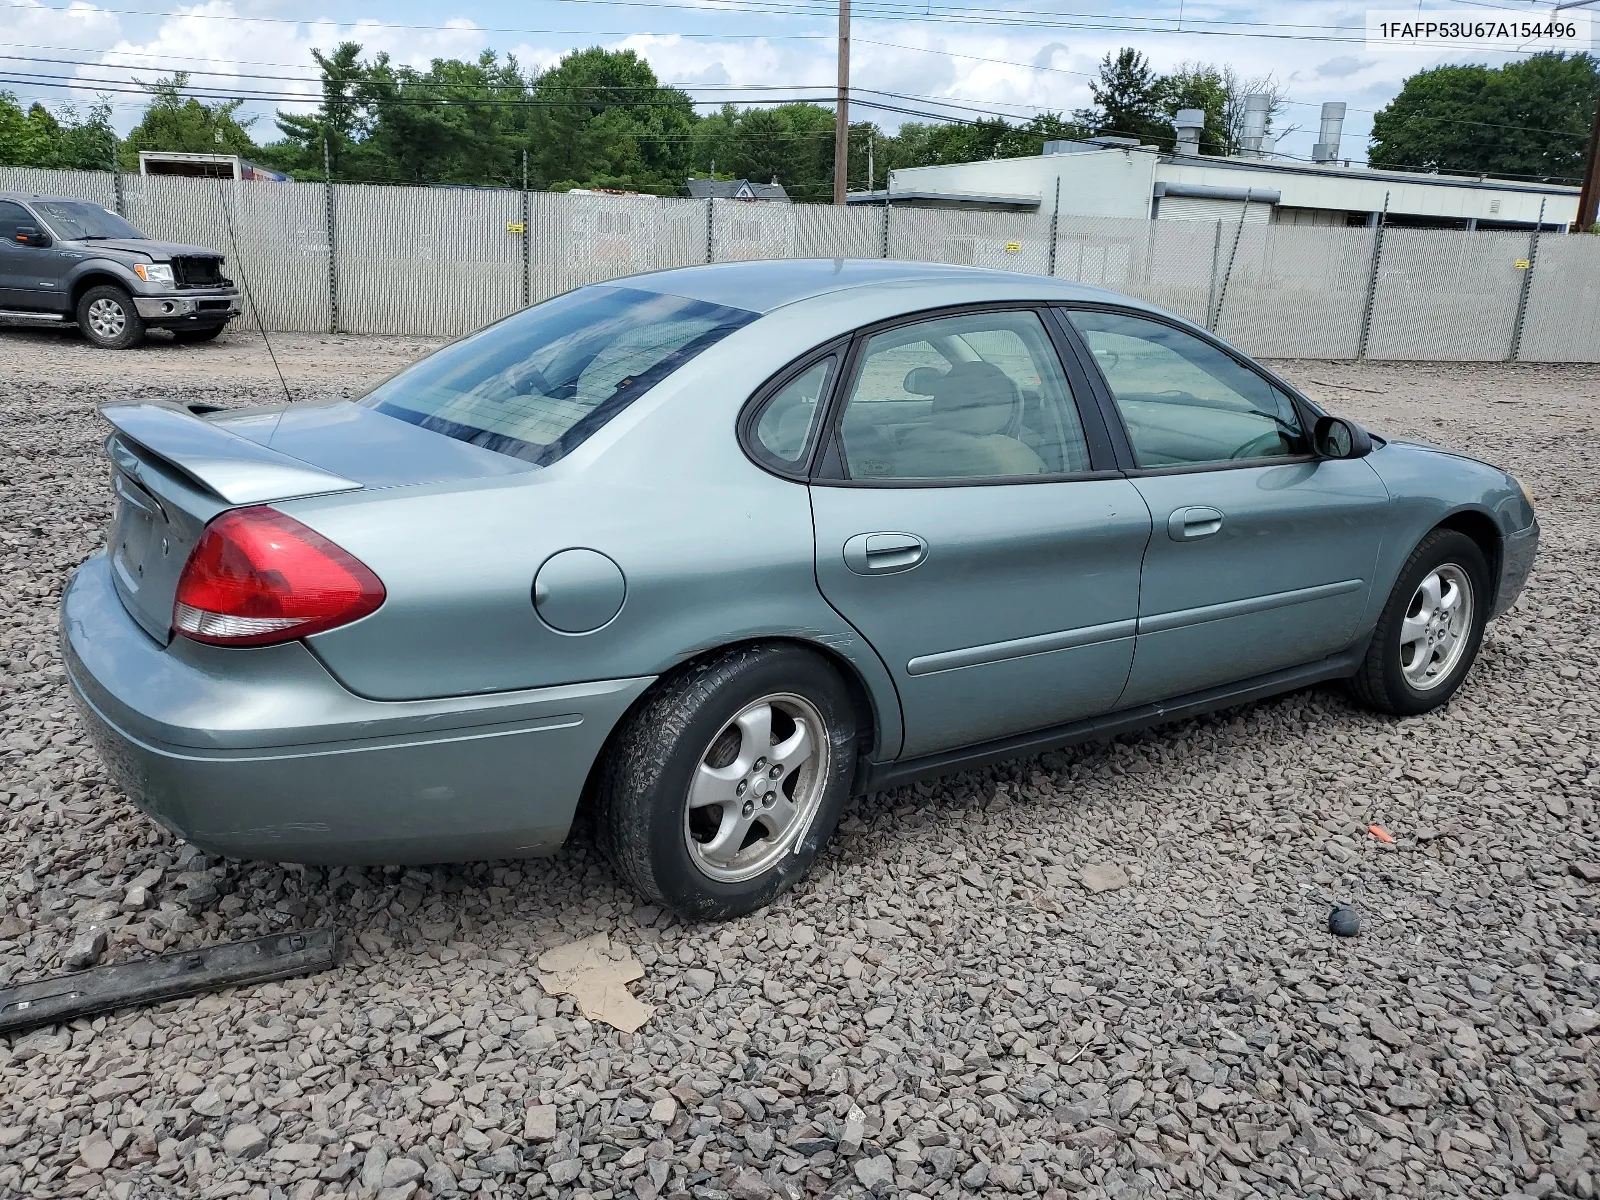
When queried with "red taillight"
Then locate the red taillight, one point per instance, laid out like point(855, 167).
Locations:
point(257, 577)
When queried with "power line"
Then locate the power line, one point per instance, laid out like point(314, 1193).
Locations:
point(881, 10)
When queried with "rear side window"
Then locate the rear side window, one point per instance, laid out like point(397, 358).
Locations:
point(536, 384)
point(788, 420)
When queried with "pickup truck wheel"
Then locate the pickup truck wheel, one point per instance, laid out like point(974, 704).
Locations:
point(719, 791)
point(207, 334)
point(107, 317)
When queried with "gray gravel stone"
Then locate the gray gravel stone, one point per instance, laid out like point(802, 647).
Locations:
point(243, 1141)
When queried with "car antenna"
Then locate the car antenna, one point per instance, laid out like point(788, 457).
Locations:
point(238, 266)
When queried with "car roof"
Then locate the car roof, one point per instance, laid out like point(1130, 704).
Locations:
point(47, 196)
point(766, 284)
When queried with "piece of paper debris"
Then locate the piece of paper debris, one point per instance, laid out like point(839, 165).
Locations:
point(596, 975)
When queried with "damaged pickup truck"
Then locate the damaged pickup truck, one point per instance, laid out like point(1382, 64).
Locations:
point(65, 261)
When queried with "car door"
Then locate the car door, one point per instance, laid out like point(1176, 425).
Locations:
point(15, 257)
point(1262, 554)
point(968, 524)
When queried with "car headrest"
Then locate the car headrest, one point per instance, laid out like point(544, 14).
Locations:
point(976, 398)
point(922, 381)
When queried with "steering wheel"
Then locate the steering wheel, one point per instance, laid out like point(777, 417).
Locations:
point(1258, 447)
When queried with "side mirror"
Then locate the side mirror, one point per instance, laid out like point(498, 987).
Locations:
point(1335, 437)
point(31, 235)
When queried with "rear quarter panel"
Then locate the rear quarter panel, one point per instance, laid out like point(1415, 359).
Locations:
point(714, 551)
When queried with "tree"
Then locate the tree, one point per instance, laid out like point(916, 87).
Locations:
point(1205, 87)
point(173, 121)
point(1527, 118)
point(1127, 99)
point(63, 139)
point(601, 117)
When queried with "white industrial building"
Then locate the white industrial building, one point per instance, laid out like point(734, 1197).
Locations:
point(1116, 177)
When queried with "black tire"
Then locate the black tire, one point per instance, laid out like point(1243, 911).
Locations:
point(205, 333)
point(642, 821)
point(114, 333)
point(1382, 683)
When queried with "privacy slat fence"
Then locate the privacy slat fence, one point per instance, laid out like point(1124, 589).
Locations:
point(443, 261)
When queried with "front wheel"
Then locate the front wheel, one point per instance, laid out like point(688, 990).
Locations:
point(1430, 630)
point(108, 319)
point(719, 792)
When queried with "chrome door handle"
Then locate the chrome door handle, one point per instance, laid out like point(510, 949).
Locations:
point(1192, 524)
point(884, 553)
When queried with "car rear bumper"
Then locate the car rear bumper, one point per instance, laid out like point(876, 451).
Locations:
point(1516, 561)
point(262, 754)
point(189, 308)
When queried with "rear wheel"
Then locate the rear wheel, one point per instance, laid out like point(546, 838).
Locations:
point(1430, 630)
point(719, 792)
point(107, 317)
point(204, 334)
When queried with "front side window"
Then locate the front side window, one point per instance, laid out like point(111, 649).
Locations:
point(1183, 401)
point(536, 384)
point(977, 396)
point(80, 221)
point(12, 218)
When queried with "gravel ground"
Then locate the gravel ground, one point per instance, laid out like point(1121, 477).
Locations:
point(946, 1006)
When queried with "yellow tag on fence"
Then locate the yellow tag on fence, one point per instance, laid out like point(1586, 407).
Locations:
point(1523, 264)
point(514, 226)
point(1013, 247)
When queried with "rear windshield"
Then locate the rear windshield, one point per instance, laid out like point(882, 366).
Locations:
point(537, 383)
point(80, 221)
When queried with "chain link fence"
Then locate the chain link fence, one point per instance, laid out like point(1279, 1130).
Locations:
point(443, 261)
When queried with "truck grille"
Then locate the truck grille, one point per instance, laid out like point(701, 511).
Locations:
point(197, 271)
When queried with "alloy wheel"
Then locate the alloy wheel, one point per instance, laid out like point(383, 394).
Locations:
point(107, 318)
point(1436, 628)
point(756, 789)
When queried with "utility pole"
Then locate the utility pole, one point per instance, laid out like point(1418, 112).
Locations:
point(841, 115)
point(1589, 198)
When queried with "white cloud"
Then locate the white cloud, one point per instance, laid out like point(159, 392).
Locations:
point(1003, 68)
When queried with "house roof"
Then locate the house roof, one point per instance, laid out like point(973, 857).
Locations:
point(735, 189)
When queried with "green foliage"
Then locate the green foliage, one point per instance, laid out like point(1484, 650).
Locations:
point(1202, 86)
point(1530, 118)
point(173, 121)
point(64, 140)
point(1127, 100)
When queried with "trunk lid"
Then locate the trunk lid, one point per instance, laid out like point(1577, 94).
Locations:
point(173, 471)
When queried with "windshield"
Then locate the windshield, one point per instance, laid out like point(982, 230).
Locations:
point(536, 384)
point(80, 221)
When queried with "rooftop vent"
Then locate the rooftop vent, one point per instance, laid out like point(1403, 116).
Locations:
point(1254, 127)
point(1189, 122)
point(1327, 148)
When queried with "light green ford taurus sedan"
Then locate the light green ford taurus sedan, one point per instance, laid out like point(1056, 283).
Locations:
point(717, 548)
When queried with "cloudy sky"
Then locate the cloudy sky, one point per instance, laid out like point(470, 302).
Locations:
point(1013, 57)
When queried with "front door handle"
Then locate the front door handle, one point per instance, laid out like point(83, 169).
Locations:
point(1192, 524)
point(884, 553)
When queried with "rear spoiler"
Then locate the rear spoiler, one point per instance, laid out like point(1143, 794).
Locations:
point(234, 468)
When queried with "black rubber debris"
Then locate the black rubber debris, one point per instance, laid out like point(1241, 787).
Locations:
point(167, 977)
point(1344, 921)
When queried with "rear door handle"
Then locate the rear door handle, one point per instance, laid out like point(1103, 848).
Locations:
point(1192, 524)
point(884, 553)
